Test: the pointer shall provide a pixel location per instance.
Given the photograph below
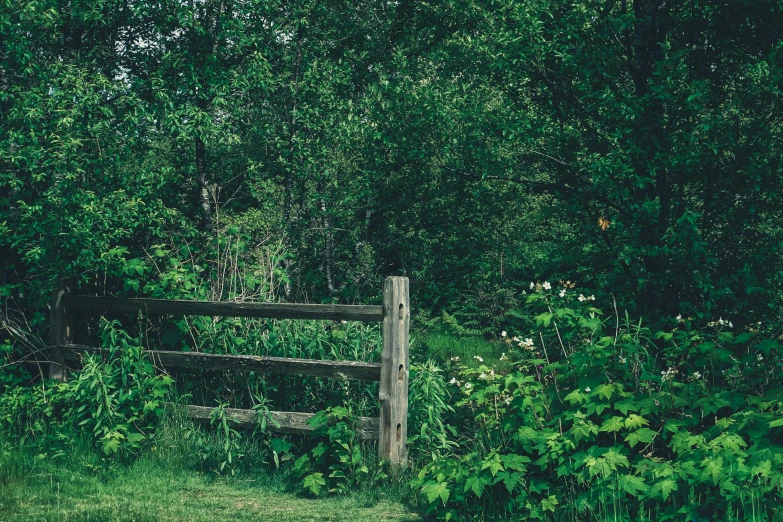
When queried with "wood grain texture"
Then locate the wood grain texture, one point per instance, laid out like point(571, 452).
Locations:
point(346, 370)
point(60, 333)
point(289, 421)
point(364, 313)
point(393, 432)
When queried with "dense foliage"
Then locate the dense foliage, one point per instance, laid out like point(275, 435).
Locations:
point(590, 418)
point(302, 151)
point(470, 145)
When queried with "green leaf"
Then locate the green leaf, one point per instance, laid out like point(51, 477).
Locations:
point(436, 490)
point(605, 390)
point(632, 484)
point(476, 484)
point(644, 435)
point(493, 464)
point(279, 445)
point(635, 421)
point(314, 482)
point(544, 319)
point(549, 503)
point(613, 425)
point(776, 423)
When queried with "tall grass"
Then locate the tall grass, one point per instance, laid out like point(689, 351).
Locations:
point(438, 343)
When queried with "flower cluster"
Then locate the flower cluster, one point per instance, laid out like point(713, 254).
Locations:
point(546, 285)
point(668, 374)
point(527, 344)
point(720, 322)
point(478, 358)
point(486, 376)
point(583, 298)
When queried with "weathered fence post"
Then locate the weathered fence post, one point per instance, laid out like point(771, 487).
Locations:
point(393, 433)
point(60, 333)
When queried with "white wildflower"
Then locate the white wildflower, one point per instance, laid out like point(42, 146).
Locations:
point(731, 325)
point(527, 344)
point(696, 375)
point(503, 357)
point(562, 293)
point(478, 358)
point(582, 298)
point(503, 334)
point(468, 386)
point(532, 286)
point(547, 286)
point(455, 359)
point(668, 374)
point(759, 357)
point(587, 390)
point(483, 376)
point(507, 400)
point(453, 380)
point(591, 298)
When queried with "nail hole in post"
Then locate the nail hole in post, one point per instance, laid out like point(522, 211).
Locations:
point(399, 433)
point(401, 373)
point(400, 311)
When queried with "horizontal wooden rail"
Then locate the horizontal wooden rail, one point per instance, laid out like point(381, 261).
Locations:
point(337, 312)
point(350, 370)
point(290, 422)
point(390, 428)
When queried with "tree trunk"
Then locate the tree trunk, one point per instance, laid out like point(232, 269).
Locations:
point(201, 171)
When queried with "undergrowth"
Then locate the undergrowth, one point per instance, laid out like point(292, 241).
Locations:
point(577, 414)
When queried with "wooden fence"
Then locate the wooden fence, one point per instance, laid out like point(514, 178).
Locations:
point(390, 429)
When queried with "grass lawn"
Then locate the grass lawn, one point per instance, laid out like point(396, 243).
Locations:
point(147, 491)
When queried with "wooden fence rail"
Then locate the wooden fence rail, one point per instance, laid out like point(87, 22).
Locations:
point(390, 429)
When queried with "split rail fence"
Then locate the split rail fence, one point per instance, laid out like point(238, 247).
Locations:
point(390, 429)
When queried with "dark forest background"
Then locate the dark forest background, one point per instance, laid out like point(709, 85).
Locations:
point(302, 151)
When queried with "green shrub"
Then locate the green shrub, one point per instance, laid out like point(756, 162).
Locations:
point(336, 462)
point(117, 394)
point(600, 419)
point(116, 397)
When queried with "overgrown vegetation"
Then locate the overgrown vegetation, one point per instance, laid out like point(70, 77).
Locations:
point(599, 418)
point(584, 195)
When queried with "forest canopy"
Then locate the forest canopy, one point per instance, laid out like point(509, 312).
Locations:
point(303, 150)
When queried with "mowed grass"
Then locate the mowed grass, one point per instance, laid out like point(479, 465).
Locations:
point(148, 492)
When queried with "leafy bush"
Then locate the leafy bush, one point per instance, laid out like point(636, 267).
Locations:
point(116, 396)
point(596, 419)
point(336, 463)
